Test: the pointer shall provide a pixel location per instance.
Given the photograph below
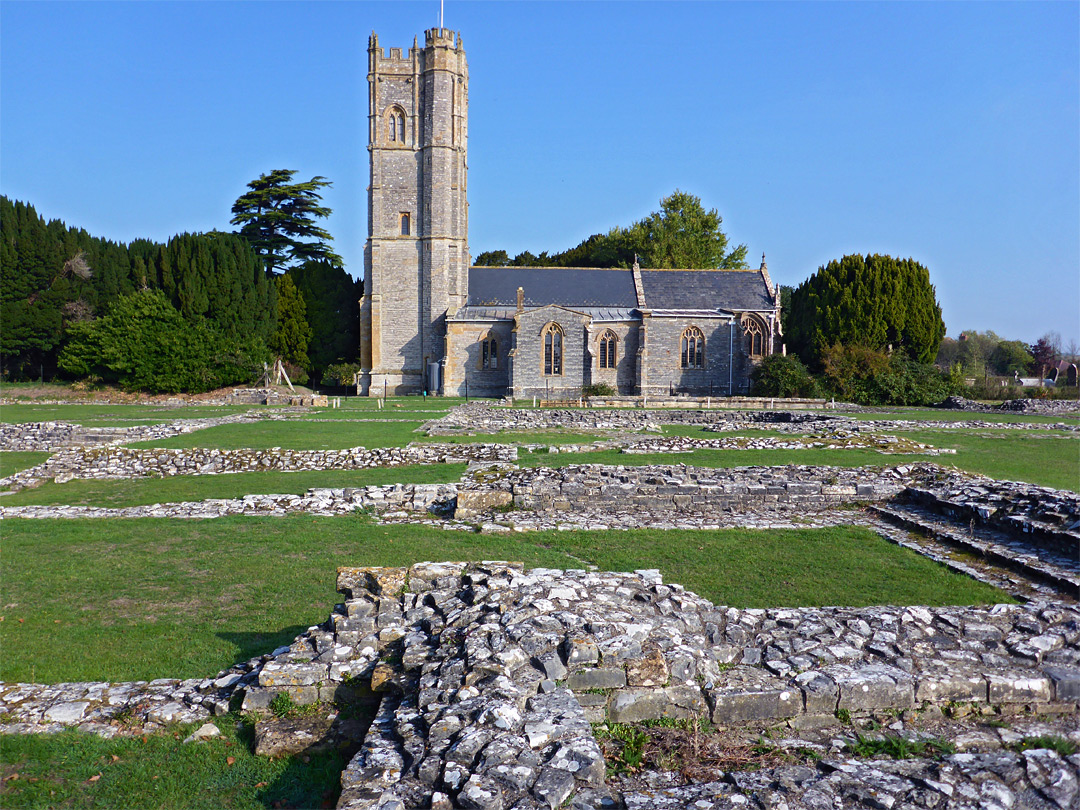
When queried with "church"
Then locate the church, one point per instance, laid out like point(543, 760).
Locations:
point(431, 322)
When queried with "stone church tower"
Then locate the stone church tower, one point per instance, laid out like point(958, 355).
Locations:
point(416, 260)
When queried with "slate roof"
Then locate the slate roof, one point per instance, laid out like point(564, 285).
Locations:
point(567, 286)
point(582, 288)
point(705, 289)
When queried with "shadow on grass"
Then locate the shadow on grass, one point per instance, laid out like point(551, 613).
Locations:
point(252, 644)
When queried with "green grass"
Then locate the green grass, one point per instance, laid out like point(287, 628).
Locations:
point(296, 435)
point(113, 415)
point(944, 415)
point(160, 771)
point(13, 461)
point(139, 599)
point(143, 491)
point(1046, 458)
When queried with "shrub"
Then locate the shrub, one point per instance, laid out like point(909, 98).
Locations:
point(144, 343)
point(598, 390)
point(868, 377)
point(783, 376)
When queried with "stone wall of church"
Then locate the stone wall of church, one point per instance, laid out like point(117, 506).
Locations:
point(463, 356)
point(663, 370)
point(623, 378)
point(527, 369)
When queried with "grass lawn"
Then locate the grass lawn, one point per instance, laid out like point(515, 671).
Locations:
point(142, 491)
point(296, 435)
point(1046, 458)
point(113, 415)
point(159, 771)
point(946, 415)
point(141, 599)
point(12, 462)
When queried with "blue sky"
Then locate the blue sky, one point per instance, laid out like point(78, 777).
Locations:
point(948, 132)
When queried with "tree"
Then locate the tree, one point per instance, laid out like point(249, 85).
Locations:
point(492, 258)
point(277, 217)
point(292, 335)
point(682, 234)
point(332, 309)
point(1010, 357)
point(1044, 354)
point(878, 302)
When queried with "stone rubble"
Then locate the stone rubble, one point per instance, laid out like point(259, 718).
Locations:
point(483, 417)
point(490, 676)
point(127, 462)
point(51, 436)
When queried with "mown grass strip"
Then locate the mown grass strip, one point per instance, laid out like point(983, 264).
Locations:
point(296, 435)
point(13, 461)
point(77, 770)
point(112, 415)
point(114, 494)
point(139, 599)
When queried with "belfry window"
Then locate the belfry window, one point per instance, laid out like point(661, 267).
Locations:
point(489, 352)
point(553, 350)
point(608, 342)
point(395, 126)
point(405, 225)
point(693, 348)
point(755, 338)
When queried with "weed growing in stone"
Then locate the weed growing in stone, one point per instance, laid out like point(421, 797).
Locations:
point(897, 747)
point(1052, 742)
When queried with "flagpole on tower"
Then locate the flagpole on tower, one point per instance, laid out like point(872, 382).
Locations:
point(441, 13)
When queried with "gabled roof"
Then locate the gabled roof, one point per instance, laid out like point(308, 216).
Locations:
point(613, 288)
point(706, 289)
point(566, 286)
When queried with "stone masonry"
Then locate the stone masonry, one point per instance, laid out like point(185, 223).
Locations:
point(490, 676)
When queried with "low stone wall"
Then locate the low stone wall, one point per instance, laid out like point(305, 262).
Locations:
point(483, 417)
point(52, 436)
point(126, 462)
point(651, 489)
point(1048, 518)
point(490, 676)
point(1037, 406)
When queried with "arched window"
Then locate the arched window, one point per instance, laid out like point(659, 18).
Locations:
point(693, 348)
point(395, 125)
point(755, 337)
point(553, 350)
point(405, 225)
point(489, 352)
point(608, 342)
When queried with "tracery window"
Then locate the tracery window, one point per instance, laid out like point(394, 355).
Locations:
point(608, 342)
point(395, 126)
point(405, 224)
point(693, 348)
point(489, 352)
point(553, 350)
point(755, 338)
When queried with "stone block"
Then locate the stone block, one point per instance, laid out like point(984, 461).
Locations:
point(274, 674)
point(356, 583)
point(473, 501)
point(954, 684)
point(649, 671)
point(747, 693)
point(636, 704)
point(598, 678)
point(1020, 686)
point(1066, 683)
point(874, 686)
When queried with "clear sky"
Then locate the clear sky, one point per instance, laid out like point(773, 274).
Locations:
point(945, 131)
